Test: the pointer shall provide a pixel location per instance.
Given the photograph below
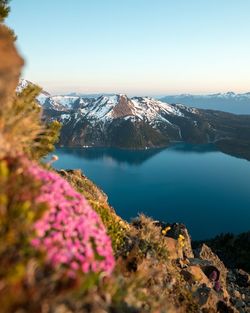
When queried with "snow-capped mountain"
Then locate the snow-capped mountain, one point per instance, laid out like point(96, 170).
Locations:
point(46, 100)
point(142, 122)
point(117, 120)
point(237, 103)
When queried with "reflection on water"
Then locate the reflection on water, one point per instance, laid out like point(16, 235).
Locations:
point(117, 155)
point(129, 156)
point(195, 184)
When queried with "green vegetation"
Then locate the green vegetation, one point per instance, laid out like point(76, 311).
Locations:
point(22, 130)
point(84, 185)
point(18, 212)
point(4, 12)
point(4, 9)
point(44, 143)
point(149, 238)
point(117, 229)
point(125, 134)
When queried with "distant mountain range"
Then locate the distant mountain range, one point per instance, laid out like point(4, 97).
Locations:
point(142, 122)
point(228, 102)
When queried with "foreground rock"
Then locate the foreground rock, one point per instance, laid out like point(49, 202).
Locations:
point(234, 250)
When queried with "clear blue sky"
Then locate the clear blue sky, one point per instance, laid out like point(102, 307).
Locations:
point(146, 47)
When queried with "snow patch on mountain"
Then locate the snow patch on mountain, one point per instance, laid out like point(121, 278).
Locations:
point(66, 101)
point(107, 108)
point(237, 103)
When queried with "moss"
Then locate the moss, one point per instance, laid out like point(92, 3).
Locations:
point(84, 185)
point(117, 229)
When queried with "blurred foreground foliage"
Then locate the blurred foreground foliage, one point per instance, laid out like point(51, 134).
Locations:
point(18, 211)
point(4, 9)
point(22, 129)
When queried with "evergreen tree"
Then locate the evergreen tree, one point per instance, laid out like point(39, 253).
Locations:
point(4, 9)
point(4, 12)
point(45, 142)
point(22, 129)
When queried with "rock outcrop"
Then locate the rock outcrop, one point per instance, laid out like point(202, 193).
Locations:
point(216, 288)
point(199, 273)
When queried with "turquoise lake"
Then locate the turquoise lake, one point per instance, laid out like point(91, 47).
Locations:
point(199, 186)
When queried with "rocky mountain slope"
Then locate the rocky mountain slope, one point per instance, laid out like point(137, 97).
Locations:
point(142, 122)
point(195, 280)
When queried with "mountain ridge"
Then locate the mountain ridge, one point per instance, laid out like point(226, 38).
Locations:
point(143, 122)
point(231, 102)
point(237, 103)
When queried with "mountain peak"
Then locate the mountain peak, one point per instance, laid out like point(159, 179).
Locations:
point(23, 83)
point(124, 107)
point(230, 93)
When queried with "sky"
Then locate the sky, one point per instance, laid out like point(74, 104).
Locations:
point(137, 47)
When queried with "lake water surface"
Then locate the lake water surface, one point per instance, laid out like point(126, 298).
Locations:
point(196, 185)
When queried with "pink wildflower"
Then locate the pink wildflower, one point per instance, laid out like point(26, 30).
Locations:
point(70, 232)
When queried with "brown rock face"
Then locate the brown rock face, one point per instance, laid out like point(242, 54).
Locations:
point(187, 249)
point(174, 249)
point(10, 65)
point(175, 231)
point(195, 274)
point(123, 108)
point(207, 254)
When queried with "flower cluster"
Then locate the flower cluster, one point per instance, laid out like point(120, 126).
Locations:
point(181, 240)
point(70, 231)
point(165, 230)
point(214, 277)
